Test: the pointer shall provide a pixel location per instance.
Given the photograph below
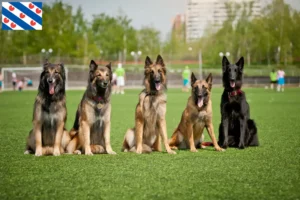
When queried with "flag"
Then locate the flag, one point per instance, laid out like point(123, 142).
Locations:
point(22, 15)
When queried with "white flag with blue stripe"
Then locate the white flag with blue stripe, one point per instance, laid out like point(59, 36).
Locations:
point(22, 15)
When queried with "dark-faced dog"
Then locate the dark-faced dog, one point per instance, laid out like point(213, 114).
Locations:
point(196, 116)
point(91, 129)
point(150, 113)
point(49, 136)
point(236, 128)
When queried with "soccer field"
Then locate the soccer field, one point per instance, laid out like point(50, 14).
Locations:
point(270, 171)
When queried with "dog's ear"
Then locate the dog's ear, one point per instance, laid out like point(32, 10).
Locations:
point(109, 66)
point(193, 79)
point(63, 72)
point(240, 64)
point(160, 61)
point(209, 80)
point(93, 65)
point(110, 72)
point(225, 63)
point(148, 62)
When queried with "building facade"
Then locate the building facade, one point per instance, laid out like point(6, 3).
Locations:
point(202, 14)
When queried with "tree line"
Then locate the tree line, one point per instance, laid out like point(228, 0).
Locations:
point(271, 38)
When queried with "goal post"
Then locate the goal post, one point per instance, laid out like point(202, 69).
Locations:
point(24, 73)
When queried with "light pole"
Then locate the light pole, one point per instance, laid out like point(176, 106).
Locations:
point(199, 60)
point(101, 52)
point(136, 55)
point(46, 54)
point(221, 54)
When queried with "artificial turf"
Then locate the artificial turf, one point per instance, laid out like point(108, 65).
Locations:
point(270, 171)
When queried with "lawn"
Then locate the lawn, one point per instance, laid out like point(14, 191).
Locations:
point(271, 171)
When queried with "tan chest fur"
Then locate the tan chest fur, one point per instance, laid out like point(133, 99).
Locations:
point(154, 109)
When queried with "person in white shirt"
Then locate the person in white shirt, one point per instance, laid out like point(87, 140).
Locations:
point(281, 81)
point(14, 79)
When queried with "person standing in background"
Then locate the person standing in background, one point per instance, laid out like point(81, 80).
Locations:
point(120, 78)
point(20, 85)
point(114, 82)
point(14, 79)
point(186, 74)
point(273, 79)
point(281, 81)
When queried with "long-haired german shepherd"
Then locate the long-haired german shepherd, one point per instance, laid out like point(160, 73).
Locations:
point(150, 122)
point(91, 129)
point(196, 116)
point(236, 128)
point(49, 136)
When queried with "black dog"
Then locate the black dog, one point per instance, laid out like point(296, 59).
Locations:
point(236, 128)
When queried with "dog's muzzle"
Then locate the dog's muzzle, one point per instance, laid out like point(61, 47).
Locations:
point(51, 83)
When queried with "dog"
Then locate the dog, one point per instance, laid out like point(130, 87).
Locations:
point(91, 130)
point(150, 122)
point(196, 116)
point(49, 136)
point(236, 128)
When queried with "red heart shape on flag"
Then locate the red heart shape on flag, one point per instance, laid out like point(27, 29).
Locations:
point(32, 23)
point(31, 6)
point(38, 11)
point(11, 8)
point(6, 20)
point(22, 15)
point(13, 25)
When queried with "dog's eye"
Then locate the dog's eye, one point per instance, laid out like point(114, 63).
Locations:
point(229, 70)
point(106, 74)
point(152, 72)
point(235, 70)
point(159, 71)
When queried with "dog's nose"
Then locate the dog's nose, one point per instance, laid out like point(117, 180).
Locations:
point(50, 80)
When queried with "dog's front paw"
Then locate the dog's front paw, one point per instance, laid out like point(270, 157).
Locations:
point(56, 152)
point(77, 152)
point(241, 146)
point(225, 145)
point(218, 148)
point(193, 150)
point(139, 151)
point(38, 152)
point(174, 147)
point(171, 152)
point(111, 152)
point(88, 153)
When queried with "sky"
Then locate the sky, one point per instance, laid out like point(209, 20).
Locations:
point(156, 13)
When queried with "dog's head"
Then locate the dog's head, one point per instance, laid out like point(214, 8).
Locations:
point(155, 74)
point(100, 77)
point(201, 90)
point(52, 78)
point(232, 73)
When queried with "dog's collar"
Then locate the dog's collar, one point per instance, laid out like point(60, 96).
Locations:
point(97, 99)
point(235, 93)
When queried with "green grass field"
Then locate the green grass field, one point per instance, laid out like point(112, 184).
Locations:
point(271, 171)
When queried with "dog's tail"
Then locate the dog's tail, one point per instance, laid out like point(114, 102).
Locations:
point(97, 149)
point(146, 149)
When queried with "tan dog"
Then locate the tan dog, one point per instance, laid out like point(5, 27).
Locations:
point(150, 122)
point(49, 136)
point(91, 129)
point(196, 116)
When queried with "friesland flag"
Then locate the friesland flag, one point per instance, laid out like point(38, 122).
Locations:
point(22, 15)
